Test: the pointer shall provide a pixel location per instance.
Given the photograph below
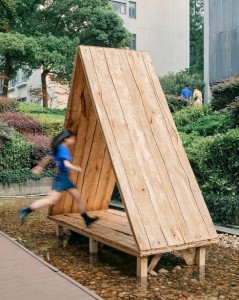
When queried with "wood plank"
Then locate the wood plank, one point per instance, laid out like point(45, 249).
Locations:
point(175, 218)
point(164, 137)
point(112, 238)
point(145, 152)
point(194, 188)
point(124, 143)
point(96, 91)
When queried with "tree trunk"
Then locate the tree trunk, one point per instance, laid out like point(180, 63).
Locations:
point(44, 88)
point(7, 70)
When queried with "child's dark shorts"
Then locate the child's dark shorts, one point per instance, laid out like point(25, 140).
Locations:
point(62, 182)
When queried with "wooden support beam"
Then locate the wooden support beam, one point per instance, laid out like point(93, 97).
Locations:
point(154, 262)
point(189, 256)
point(200, 258)
point(142, 266)
point(59, 230)
point(93, 245)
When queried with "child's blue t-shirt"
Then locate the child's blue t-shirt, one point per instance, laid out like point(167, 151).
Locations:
point(63, 153)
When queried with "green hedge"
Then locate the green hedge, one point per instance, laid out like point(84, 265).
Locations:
point(209, 124)
point(15, 152)
point(22, 175)
point(223, 210)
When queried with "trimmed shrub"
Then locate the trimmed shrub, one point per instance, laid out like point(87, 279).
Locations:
point(172, 84)
point(42, 147)
point(52, 124)
point(15, 154)
point(223, 210)
point(209, 125)
point(190, 114)
point(21, 123)
point(33, 108)
point(8, 105)
point(19, 176)
point(224, 93)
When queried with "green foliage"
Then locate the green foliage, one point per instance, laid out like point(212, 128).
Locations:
point(196, 35)
point(225, 93)
point(21, 175)
point(33, 108)
point(51, 124)
point(215, 161)
point(224, 210)
point(172, 84)
point(15, 152)
point(106, 29)
point(8, 105)
point(19, 48)
point(209, 124)
point(191, 114)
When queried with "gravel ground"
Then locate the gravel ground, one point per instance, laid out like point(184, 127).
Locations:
point(111, 274)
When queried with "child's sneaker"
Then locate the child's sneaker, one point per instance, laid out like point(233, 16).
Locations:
point(88, 220)
point(22, 214)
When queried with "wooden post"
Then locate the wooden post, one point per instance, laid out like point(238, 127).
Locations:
point(189, 256)
point(93, 245)
point(154, 262)
point(142, 266)
point(200, 260)
point(59, 230)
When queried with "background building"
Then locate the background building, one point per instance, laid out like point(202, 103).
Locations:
point(221, 41)
point(160, 27)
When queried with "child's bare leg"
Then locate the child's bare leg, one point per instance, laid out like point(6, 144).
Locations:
point(48, 200)
point(88, 220)
point(51, 199)
point(76, 194)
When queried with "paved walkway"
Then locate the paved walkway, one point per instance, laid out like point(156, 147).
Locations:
point(25, 276)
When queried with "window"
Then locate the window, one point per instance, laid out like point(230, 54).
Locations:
point(119, 7)
point(132, 10)
point(133, 45)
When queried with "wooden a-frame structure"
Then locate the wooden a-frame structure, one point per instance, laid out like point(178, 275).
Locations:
point(126, 134)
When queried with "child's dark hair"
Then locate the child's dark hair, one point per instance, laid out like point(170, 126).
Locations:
point(65, 133)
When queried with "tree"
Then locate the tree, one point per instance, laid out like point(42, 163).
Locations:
point(58, 26)
point(196, 34)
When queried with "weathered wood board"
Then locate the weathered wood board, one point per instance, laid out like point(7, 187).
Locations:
point(125, 132)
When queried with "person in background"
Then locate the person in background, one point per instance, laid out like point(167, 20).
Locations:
point(186, 94)
point(197, 97)
point(61, 154)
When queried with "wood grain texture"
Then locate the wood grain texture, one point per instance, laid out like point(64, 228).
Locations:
point(126, 133)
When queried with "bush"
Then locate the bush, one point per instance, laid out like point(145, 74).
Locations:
point(33, 108)
point(224, 93)
point(215, 161)
point(15, 154)
point(223, 210)
point(190, 114)
point(21, 123)
point(8, 105)
point(21, 175)
point(5, 132)
point(42, 147)
point(174, 104)
point(172, 84)
point(209, 125)
point(52, 124)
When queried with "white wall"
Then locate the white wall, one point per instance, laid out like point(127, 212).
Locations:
point(162, 29)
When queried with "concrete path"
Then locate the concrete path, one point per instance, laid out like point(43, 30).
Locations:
point(25, 276)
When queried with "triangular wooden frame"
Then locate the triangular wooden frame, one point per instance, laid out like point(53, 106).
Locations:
point(126, 133)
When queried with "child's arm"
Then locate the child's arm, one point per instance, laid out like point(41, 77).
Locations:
point(42, 164)
point(72, 167)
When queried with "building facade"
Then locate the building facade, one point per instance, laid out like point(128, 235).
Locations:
point(221, 41)
point(160, 27)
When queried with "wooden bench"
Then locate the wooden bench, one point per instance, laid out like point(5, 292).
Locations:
point(113, 229)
